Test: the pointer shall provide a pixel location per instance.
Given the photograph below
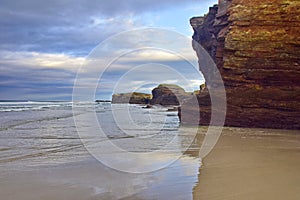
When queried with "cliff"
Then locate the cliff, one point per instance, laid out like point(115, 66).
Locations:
point(256, 47)
point(132, 98)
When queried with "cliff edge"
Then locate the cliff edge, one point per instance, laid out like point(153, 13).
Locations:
point(256, 47)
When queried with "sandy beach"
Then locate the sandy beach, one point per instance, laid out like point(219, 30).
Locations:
point(245, 164)
point(150, 100)
point(251, 164)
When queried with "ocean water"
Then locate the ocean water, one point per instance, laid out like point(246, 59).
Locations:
point(64, 142)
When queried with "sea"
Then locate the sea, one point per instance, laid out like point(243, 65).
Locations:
point(109, 151)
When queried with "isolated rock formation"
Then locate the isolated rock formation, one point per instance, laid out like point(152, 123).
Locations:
point(132, 98)
point(256, 47)
point(163, 94)
point(168, 94)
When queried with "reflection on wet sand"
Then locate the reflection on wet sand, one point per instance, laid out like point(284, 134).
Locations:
point(92, 180)
point(89, 179)
point(245, 164)
point(251, 164)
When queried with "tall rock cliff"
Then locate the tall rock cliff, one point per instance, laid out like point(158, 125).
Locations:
point(256, 47)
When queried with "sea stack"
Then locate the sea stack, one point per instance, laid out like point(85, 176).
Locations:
point(168, 94)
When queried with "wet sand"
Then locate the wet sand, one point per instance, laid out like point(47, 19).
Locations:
point(246, 164)
point(90, 180)
point(251, 164)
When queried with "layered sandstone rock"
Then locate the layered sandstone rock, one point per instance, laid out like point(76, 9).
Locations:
point(256, 46)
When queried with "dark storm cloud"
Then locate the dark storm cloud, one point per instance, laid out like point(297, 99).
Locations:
point(72, 26)
point(75, 8)
point(17, 82)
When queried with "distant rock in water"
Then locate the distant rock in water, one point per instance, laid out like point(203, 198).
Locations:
point(148, 106)
point(132, 98)
point(168, 94)
point(102, 101)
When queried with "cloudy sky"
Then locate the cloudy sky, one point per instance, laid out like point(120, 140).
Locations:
point(47, 45)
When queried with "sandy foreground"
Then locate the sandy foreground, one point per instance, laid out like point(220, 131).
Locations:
point(246, 164)
point(251, 164)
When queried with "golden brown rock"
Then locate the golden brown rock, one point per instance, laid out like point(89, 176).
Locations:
point(258, 55)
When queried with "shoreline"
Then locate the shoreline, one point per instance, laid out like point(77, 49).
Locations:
point(245, 164)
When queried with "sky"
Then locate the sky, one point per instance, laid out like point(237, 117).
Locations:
point(49, 47)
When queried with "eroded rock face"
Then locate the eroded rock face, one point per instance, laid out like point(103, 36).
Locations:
point(256, 47)
point(168, 94)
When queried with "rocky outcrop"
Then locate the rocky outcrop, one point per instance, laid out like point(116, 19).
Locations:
point(256, 47)
point(102, 101)
point(131, 98)
point(163, 94)
point(168, 94)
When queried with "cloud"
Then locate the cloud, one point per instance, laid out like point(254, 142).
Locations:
point(147, 76)
point(73, 38)
point(32, 75)
point(75, 26)
point(72, 26)
point(73, 8)
point(43, 44)
point(35, 60)
point(56, 72)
